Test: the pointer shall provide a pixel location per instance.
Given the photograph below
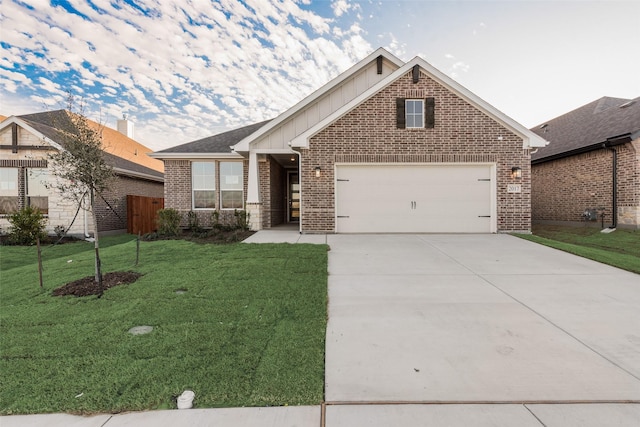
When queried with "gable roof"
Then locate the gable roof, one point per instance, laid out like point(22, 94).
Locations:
point(114, 142)
point(529, 138)
point(216, 144)
point(42, 125)
point(243, 146)
point(588, 127)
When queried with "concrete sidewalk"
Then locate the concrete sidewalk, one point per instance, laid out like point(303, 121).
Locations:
point(409, 415)
point(223, 417)
point(452, 331)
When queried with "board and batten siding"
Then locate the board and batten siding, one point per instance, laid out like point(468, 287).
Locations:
point(279, 137)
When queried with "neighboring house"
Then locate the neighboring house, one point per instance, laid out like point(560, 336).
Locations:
point(591, 167)
point(386, 146)
point(25, 144)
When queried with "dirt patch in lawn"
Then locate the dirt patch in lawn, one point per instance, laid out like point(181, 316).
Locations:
point(87, 285)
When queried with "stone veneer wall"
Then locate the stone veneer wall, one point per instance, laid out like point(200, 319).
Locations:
point(61, 211)
point(368, 134)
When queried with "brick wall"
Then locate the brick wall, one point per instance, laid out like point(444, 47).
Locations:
point(264, 172)
point(277, 196)
point(177, 191)
point(564, 188)
point(112, 210)
point(369, 134)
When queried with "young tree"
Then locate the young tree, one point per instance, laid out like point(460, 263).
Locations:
point(82, 169)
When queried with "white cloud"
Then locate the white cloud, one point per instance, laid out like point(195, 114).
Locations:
point(196, 64)
point(340, 7)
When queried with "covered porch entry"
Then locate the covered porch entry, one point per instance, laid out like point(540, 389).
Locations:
point(277, 201)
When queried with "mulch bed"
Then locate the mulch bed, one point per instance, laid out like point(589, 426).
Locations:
point(87, 285)
point(205, 236)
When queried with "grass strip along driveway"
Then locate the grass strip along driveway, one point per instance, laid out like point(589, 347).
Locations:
point(620, 248)
point(246, 327)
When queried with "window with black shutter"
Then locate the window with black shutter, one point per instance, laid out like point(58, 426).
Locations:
point(415, 113)
point(429, 113)
point(401, 120)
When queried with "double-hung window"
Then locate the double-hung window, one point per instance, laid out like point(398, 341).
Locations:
point(36, 190)
point(203, 180)
point(414, 113)
point(231, 192)
point(9, 196)
point(35, 194)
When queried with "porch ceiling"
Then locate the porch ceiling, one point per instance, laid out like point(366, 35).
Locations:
point(285, 160)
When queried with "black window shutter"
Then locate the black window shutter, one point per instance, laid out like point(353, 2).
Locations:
point(429, 113)
point(401, 120)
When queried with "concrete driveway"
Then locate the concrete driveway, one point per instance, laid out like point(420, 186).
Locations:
point(463, 319)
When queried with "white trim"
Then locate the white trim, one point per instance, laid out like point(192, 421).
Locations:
point(142, 175)
point(221, 190)
point(253, 176)
point(216, 192)
point(17, 120)
point(189, 156)
point(243, 145)
point(529, 139)
point(55, 145)
point(413, 115)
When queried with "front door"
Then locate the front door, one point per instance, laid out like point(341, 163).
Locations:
point(293, 185)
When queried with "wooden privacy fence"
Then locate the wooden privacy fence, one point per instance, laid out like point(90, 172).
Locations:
point(142, 213)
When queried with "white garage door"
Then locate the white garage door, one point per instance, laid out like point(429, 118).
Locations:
point(414, 199)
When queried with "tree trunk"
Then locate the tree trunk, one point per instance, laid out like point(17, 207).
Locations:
point(39, 260)
point(96, 245)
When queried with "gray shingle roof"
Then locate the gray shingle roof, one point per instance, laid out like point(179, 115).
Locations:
point(588, 127)
point(50, 124)
point(220, 143)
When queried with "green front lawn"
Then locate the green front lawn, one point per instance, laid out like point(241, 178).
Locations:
point(249, 330)
point(620, 248)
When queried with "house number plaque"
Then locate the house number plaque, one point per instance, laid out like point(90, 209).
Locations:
point(514, 188)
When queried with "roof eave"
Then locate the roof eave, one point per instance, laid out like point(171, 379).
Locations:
point(529, 138)
point(243, 145)
point(25, 125)
point(608, 143)
point(134, 174)
point(187, 156)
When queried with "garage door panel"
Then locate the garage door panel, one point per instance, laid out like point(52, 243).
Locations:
point(390, 198)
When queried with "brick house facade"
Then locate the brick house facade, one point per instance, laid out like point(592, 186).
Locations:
point(594, 153)
point(432, 138)
point(26, 143)
point(368, 134)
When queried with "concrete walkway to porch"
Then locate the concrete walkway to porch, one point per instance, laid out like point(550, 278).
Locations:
point(286, 233)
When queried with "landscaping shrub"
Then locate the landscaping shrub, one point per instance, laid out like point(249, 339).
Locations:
point(193, 223)
point(169, 222)
point(242, 219)
point(27, 225)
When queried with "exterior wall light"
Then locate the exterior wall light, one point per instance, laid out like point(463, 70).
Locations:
point(516, 173)
point(318, 171)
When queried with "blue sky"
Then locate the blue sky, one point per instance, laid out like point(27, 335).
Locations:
point(183, 70)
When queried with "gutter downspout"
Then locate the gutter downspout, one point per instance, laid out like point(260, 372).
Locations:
point(614, 186)
point(614, 159)
point(611, 143)
point(87, 236)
